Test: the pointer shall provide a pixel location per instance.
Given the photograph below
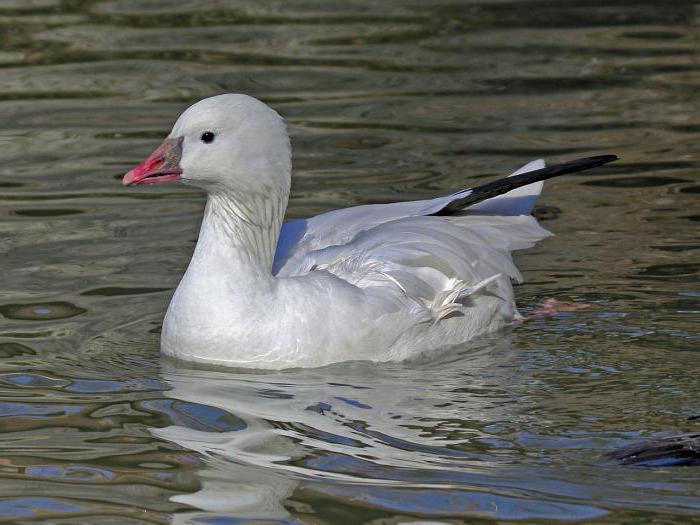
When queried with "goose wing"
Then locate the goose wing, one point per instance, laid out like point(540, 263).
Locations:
point(511, 196)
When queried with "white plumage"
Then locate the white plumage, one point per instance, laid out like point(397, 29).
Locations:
point(377, 282)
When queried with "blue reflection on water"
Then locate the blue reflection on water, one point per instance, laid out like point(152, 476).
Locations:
point(451, 502)
point(30, 506)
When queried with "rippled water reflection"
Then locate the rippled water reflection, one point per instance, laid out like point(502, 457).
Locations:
point(385, 101)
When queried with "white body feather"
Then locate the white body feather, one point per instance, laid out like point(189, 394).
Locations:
point(378, 282)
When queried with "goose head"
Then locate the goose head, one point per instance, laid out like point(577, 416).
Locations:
point(226, 143)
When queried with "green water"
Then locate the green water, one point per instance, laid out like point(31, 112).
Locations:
point(386, 101)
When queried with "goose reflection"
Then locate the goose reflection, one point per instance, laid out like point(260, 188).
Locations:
point(416, 424)
point(478, 432)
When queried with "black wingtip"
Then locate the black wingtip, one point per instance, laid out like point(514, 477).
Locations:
point(501, 186)
point(590, 162)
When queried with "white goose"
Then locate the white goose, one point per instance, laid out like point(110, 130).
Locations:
point(377, 282)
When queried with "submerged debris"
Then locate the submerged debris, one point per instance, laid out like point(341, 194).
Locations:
point(681, 450)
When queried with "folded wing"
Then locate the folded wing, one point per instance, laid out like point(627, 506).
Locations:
point(440, 255)
point(338, 227)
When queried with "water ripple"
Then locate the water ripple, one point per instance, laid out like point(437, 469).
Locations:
point(385, 101)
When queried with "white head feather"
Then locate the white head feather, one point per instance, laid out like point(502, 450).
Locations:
point(250, 151)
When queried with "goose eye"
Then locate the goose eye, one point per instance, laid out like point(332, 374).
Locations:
point(207, 137)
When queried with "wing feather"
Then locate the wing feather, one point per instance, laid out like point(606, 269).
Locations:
point(437, 262)
point(437, 253)
point(338, 227)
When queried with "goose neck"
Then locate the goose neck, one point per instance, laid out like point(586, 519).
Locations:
point(241, 232)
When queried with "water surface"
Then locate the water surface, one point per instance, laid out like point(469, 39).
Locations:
point(385, 101)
